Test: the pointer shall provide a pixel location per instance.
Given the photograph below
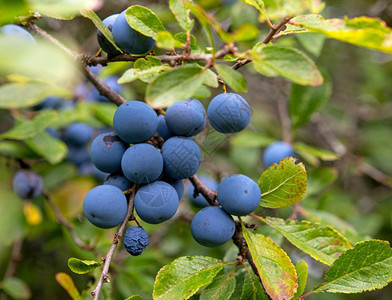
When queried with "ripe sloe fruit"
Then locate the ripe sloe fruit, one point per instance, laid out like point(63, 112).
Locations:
point(135, 240)
point(78, 155)
point(162, 129)
point(105, 206)
point(238, 194)
point(186, 118)
point(275, 152)
point(106, 152)
point(78, 134)
point(142, 163)
point(27, 184)
point(118, 180)
point(102, 41)
point(212, 226)
point(182, 157)
point(135, 122)
point(200, 201)
point(156, 202)
point(128, 39)
point(228, 113)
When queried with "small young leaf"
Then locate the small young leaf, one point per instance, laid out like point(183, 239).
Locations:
point(184, 276)
point(67, 283)
point(324, 244)
point(181, 12)
point(135, 297)
point(16, 288)
point(174, 85)
point(28, 128)
point(52, 149)
point(313, 155)
point(252, 289)
point(259, 4)
point(273, 60)
point(82, 266)
point(166, 40)
point(221, 288)
point(144, 20)
point(273, 264)
point(233, 78)
point(284, 184)
point(366, 267)
point(182, 38)
point(102, 27)
point(302, 272)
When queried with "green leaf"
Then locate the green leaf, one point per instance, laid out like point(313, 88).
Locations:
point(251, 139)
point(135, 297)
point(362, 31)
point(366, 267)
point(16, 288)
point(67, 283)
point(312, 42)
point(247, 32)
point(102, 27)
point(79, 266)
point(147, 62)
point(182, 38)
point(144, 20)
point(259, 4)
point(174, 85)
point(284, 184)
point(272, 60)
point(15, 149)
point(210, 78)
point(60, 9)
point(104, 112)
point(10, 9)
point(221, 288)
point(166, 40)
point(233, 78)
point(21, 95)
point(28, 128)
point(273, 264)
point(313, 154)
point(306, 100)
point(252, 288)
point(145, 75)
point(302, 272)
point(184, 276)
point(52, 149)
point(181, 12)
point(202, 92)
point(324, 244)
point(319, 178)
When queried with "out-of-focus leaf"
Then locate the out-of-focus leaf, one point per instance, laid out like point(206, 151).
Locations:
point(366, 267)
point(273, 264)
point(182, 38)
point(221, 288)
point(233, 78)
point(251, 139)
point(166, 40)
point(16, 288)
point(314, 154)
point(144, 21)
point(302, 272)
point(67, 283)
point(184, 276)
point(273, 60)
point(135, 297)
point(16, 149)
point(10, 9)
point(181, 12)
point(312, 42)
point(202, 92)
point(52, 149)
point(319, 178)
point(247, 32)
point(104, 112)
point(62, 9)
point(284, 184)
point(82, 266)
point(32, 213)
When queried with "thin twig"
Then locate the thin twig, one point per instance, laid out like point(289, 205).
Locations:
point(202, 188)
point(11, 268)
point(117, 237)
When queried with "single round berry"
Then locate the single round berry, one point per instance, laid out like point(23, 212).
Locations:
point(238, 194)
point(177, 184)
point(128, 39)
point(78, 134)
point(228, 113)
point(105, 206)
point(135, 122)
point(27, 184)
point(50, 102)
point(18, 32)
point(186, 118)
point(162, 128)
point(102, 40)
point(142, 163)
point(106, 152)
point(212, 226)
point(156, 202)
point(118, 180)
point(78, 155)
point(200, 201)
point(275, 152)
point(182, 157)
point(135, 240)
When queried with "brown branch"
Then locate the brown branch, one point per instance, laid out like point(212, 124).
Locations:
point(201, 187)
point(117, 237)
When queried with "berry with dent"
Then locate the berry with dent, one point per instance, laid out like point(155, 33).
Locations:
point(135, 240)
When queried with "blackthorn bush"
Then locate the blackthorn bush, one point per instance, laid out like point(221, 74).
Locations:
point(135, 240)
point(27, 184)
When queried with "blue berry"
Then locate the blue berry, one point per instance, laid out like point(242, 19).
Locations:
point(156, 202)
point(162, 128)
point(186, 118)
point(182, 157)
point(135, 240)
point(102, 41)
point(78, 134)
point(275, 152)
point(88, 169)
point(118, 180)
point(78, 155)
point(128, 39)
point(238, 194)
point(229, 113)
point(27, 184)
point(212, 226)
point(200, 201)
point(17, 31)
point(105, 206)
point(142, 163)
point(106, 152)
point(177, 184)
point(135, 122)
